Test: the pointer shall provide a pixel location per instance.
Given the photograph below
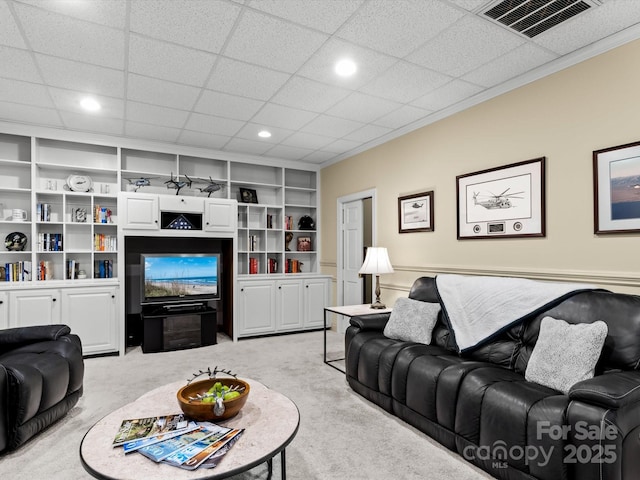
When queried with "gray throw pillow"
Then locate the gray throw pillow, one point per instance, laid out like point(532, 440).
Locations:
point(412, 320)
point(565, 353)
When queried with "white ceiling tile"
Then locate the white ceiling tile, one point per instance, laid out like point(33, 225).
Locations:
point(362, 108)
point(289, 153)
point(300, 92)
point(69, 100)
point(592, 25)
point(341, 146)
point(318, 157)
point(247, 146)
point(25, 93)
point(402, 116)
point(450, 94)
point(398, 27)
point(151, 132)
point(271, 42)
point(19, 65)
point(307, 140)
point(154, 115)
point(201, 24)
point(67, 37)
point(105, 12)
point(471, 5)
point(283, 117)
point(158, 59)
point(214, 125)
point(225, 105)
point(250, 132)
point(513, 64)
point(199, 139)
point(368, 133)
point(318, 14)
point(16, 112)
point(92, 123)
point(321, 65)
point(9, 33)
point(239, 78)
point(415, 81)
point(83, 77)
point(456, 52)
point(328, 126)
point(160, 92)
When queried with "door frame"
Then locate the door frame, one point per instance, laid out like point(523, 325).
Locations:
point(371, 193)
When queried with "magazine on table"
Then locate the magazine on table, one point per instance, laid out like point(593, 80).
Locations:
point(214, 460)
point(137, 428)
point(195, 454)
point(161, 450)
point(143, 442)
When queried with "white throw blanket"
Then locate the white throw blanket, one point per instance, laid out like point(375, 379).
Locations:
point(479, 308)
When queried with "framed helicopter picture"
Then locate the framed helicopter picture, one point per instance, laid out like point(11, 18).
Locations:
point(415, 213)
point(502, 202)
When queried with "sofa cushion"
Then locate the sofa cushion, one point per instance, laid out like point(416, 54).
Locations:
point(412, 320)
point(565, 354)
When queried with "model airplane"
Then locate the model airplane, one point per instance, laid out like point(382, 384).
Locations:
point(496, 201)
point(178, 184)
point(139, 182)
point(211, 188)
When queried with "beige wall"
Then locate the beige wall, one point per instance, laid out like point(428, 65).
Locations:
point(563, 117)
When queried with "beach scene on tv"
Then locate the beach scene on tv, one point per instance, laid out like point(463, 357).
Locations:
point(180, 275)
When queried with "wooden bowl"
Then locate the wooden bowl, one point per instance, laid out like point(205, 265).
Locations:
point(201, 412)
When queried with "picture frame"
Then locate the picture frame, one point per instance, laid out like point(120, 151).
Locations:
point(248, 195)
point(502, 202)
point(304, 244)
point(616, 189)
point(415, 212)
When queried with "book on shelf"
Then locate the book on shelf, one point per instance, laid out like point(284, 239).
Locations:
point(73, 267)
point(136, 428)
point(103, 269)
point(288, 222)
point(16, 271)
point(253, 265)
point(293, 266)
point(273, 265)
point(50, 242)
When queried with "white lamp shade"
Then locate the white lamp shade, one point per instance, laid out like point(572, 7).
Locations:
point(376, 262)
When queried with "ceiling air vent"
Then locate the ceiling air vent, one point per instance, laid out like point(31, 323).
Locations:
point(532, 17)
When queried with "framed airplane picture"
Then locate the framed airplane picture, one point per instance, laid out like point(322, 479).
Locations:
point(616, 185)
point(502, 202)
point(415, 213)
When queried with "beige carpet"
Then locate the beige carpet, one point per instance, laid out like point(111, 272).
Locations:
point(341, 435)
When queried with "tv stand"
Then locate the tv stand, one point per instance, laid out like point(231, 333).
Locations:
point(178, 326)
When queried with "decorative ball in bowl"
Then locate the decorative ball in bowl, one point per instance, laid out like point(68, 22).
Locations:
point(198, 399)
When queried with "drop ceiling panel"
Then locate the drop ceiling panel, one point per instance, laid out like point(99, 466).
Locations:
point(21, 113)
point(305, 94)
point(211, 124)
point(154, 115)
point(283, 117)
point(18, 65)
point(247, 146)
point(111, 13)
point(9, 32)
point(250, 132)
point(199, 139)
point(307, 140)
point(69, 100)
point(92, 123)
point(229, 106)
point(367, 133)
point(289, 153)
point(329, 126)
point(244, 79)
point(161, 92)
point(363, 108)
point(24, 93)
point(402, 116)
point(447, 95)
point(151, 132)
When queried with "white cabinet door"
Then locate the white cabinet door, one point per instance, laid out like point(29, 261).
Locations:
point(289, 300)
point(140, 211)
point(219, 216)
point(34, 307)
point(256, 308)
point(91, 314)
point(316, 297)
point(4, 309)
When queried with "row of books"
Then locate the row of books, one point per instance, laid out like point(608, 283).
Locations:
point(176, 441)
point(253, 265)
point(105, 243)
point(101, 214)
point(270, 223)
point(73, 268)
point(49, 242)
point(43, 212)
point(103, 269)
point(288, 222)
point(292, 266)
point(17, 271)
point(253, 243)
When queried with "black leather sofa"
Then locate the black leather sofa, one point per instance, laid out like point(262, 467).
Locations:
point(41, 375)
point(480, 405)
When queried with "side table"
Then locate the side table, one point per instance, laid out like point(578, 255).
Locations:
point(347, 311)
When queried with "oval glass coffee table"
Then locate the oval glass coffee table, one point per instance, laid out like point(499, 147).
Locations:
point(269, 418)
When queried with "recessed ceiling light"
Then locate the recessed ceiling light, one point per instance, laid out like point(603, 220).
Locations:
point(90, 104)
point(346, 67)
point(264, 134)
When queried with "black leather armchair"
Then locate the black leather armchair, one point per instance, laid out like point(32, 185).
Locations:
point(41, 375)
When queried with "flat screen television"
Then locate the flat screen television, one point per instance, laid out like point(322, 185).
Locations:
point(170, 278)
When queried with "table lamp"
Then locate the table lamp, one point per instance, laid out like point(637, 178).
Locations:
point(375, 263)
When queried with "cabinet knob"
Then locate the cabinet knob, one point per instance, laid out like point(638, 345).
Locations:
point(54, 300)
point(1, 302)
point(279, 287)
point(306, 286)
point(182, 200)
point(156, 221)
point(113, 296)
point(242, 289)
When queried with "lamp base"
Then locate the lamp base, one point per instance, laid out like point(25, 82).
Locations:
point(378, 306)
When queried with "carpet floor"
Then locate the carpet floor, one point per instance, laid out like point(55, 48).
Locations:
point(341, 435)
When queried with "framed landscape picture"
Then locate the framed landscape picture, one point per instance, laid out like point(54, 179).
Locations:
point(616, 185)
point(415, 213)
point(502, 202)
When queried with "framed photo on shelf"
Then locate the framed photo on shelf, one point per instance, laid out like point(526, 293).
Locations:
point(502, 202)
point(616, 189)
point(304, 244)
point(415, 212)
point(248, 195)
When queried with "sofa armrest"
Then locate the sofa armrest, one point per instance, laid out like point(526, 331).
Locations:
point(25, 335)
point(373, 321)
point(611, 390)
